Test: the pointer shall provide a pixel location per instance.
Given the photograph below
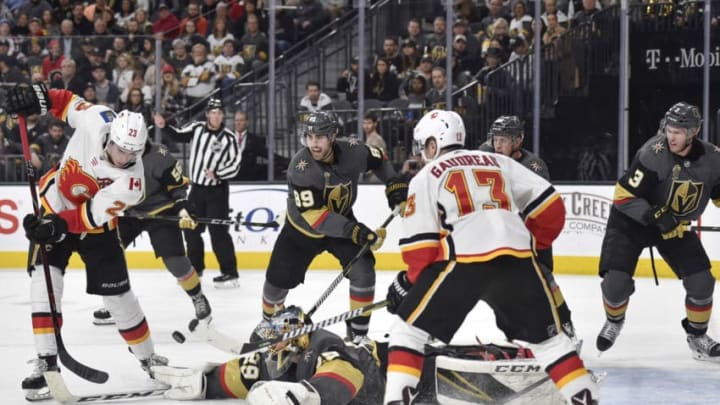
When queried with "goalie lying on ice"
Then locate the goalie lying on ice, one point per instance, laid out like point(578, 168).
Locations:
point(321, 368)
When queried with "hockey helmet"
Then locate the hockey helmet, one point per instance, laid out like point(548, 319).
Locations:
point(683, 115)
point(214, 104)
point(322, 123)
point(129, 132)
point(446, 127)
point(507, 125)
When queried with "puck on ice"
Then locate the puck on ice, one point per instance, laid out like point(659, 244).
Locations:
point(179, 337)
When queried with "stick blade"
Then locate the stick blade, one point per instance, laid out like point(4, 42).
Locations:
point(58, 389)
point(81, 370)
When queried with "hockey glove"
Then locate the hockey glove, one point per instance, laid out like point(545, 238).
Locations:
point(663, 218)
point(397, 291)
point(186, 220)
point(396, 192)
point(381, 234)
point(48, 229)
point(28, 100)
point(677, 232)
point(282, 392)
point(361, 234)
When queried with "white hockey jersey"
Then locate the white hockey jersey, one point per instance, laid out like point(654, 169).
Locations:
point(472, 206)
point(85, 189)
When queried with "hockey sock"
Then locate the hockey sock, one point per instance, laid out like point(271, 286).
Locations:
point(131, 323)
point(698, 302)
point(406, 356)
point(558, 357)
point(273, 299)
point(42, 322)
point(180, 267)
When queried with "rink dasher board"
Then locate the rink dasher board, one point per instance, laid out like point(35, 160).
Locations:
point(576, 250)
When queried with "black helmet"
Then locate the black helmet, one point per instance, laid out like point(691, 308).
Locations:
point(214, 103)
point(322, 123)
point(683, 115)
point(508, 125)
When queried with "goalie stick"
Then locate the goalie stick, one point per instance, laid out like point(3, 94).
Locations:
point(67, 360)
point(60, 392)
point(219, 340)
point(209, 221)
point(348, 267)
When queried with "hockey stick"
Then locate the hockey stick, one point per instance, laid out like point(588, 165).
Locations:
point(209, 221)
point(226, 343)
point(68, 361)
point(348, 267)
point(705, 228)
point(60, 392)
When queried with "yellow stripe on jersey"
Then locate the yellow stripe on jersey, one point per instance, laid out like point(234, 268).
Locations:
point(399, 368)
point(344, 372)
point(716, 202)
point(301, 229)
point(420, 244)
point(63, 116)
point(430, 292)
point(161, 209)
point(570, 377)
point(621, 193)
point(232, 379)
point(523, 254)
point(542, 207)
point(85, 216)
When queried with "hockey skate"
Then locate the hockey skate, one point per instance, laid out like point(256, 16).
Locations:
point(202, 306)
point(226, 281)
point(153, 360)
point(608, 334)
point(102, 317)
point(35, 386)
point(704, 348)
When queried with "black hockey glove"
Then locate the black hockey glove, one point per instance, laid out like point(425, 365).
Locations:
point(397, 291)
point(361, 234)
point(396, 191)
point(48, 229)
point(28, 100)
point(663, 218)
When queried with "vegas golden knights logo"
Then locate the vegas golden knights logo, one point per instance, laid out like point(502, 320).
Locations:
point(684, 196)
point(339, 197)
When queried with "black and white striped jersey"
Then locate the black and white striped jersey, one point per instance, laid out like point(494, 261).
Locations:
point(217, 150)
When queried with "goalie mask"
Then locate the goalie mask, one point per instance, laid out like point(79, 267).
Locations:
point(446, 128)
point(280, 355)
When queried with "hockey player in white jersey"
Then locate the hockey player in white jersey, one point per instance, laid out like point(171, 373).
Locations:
point(99, 176)
point(471, 224)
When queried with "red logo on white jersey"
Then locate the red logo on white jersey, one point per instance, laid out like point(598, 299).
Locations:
point(135, 183)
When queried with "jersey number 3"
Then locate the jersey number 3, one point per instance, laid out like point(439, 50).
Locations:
point(456, 183)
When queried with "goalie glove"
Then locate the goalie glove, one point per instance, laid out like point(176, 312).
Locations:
point(282, 393)
point(28, 100)
point(48, 229)
point(185, 383)
point(397, 291)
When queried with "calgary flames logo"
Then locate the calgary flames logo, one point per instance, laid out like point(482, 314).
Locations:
point(75, 184)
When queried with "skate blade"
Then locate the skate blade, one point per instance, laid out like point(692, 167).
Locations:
point(227, 285)
point(103, 322)
point(40, 394)
point(703, 357)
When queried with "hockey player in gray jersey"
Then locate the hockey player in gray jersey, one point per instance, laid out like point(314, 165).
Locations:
point(668, 184)
point(166, 191)
point(322, 187)
point(506, 135)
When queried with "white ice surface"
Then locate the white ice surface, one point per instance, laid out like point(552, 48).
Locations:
point(650, 363)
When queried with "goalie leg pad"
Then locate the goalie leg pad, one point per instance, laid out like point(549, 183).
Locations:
point(185, 383)
point(281, 392)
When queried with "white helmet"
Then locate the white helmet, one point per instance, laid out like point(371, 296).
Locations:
point(446, 127)
point(128, 131)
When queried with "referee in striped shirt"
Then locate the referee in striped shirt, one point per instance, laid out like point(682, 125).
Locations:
point(214, 159)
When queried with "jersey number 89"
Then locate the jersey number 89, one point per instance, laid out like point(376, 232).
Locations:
point(304, 198)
